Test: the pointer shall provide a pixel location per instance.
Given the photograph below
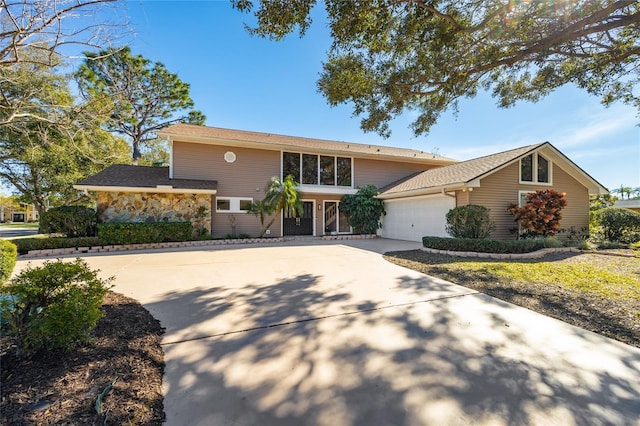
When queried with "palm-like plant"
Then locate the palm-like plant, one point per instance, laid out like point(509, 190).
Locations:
point(281, 195)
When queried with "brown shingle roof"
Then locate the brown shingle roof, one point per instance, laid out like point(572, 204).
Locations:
point(458, 173)
point(122, 175)
point(293, 142)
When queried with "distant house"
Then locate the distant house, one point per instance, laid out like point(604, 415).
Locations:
point(215, 174)
point(629, 204)
point(18, 213)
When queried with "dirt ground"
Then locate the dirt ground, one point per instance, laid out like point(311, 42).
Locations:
point(61, 387)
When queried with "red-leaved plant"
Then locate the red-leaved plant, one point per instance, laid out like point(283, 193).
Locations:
point(540, 216)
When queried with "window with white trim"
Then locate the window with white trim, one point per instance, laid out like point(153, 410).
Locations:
point(233, 204)
point(534, 168)
point(313, 169)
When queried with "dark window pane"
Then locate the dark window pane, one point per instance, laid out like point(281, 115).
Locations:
point(543, 169)
point(327, 172)
point(223, 205)
point(291, 165)
point(344, 171)
point(526, 168)
point(309, 169)
point(245, 204)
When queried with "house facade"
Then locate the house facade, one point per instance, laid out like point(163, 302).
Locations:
point(215, 174)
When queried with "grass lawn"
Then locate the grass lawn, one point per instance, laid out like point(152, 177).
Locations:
point(598, 292)
point(27, 225)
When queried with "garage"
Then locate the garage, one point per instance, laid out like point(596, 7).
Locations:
point(413, 218)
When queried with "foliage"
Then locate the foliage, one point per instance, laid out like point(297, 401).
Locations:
point(602, 201)
point(625, 192)
point(8, 255)
point(49, 141)
point(576, 235)
point(155, 153)
point(363, 210)
point(47, 25)
point(145, 97)
point(280, 196)
point(25, 245)
point(262, 210)
point(471, 221)
point(138, 233)
point(541, 214)
point(618, 224)
point(71, 221)
point(490, 246)
point(388, 57)
point(241, 236)
point(56, 305)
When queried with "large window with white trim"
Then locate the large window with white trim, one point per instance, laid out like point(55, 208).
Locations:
point(534, 168)
point(233, 204)
point(312, 169)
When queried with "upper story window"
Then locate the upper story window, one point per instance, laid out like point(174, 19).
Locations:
point(312, 169)
point(534, 168)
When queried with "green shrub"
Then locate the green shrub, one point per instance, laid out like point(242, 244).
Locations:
point(71, 221)
point(8, 255)
point(363, 210)
point(470, 221)
point(56, 305)
point(25, 245)
point(617, 224)
point(490, 246)
point(137, 233)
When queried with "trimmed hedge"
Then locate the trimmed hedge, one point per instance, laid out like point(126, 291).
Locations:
point(8, 255)
point(27, 244)
point(140, 233)
point(71, 221)
point(489, 246)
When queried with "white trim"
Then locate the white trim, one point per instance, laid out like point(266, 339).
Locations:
point(327, 189)
point(234, 204)
point(170, 158)
point(534, 170)
point(324, 225)
point(155, 190)
point(520, 194)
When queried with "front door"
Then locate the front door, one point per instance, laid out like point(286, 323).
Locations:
point(301, 225)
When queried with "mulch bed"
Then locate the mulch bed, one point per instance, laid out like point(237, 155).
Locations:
point(618, 319)
point(61, 387)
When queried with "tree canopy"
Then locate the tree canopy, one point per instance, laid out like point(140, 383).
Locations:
point(47, 25)
point(145, 96)
point(389, 57)
point(44, 150)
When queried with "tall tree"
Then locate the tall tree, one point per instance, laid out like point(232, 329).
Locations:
point(145, 96)
point(47, 25)
point(390, 56)
point(44, 150)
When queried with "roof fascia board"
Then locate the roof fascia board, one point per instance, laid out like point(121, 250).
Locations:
point(143, 189)
point(241, 143)
point(433, 190)
point(574, 170)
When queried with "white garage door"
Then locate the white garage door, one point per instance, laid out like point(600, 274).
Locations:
point(413, 218)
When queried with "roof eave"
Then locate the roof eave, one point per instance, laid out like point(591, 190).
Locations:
point(242, 143)
point(428, 191)
point(138, 189)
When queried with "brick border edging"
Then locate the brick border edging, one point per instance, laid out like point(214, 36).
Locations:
point(148, 246)
point(181, 244)
point(532, 255)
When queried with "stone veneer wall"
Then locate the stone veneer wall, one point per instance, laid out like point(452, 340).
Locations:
point(149, 207)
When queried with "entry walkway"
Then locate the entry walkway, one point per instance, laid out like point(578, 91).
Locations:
point(329, 333)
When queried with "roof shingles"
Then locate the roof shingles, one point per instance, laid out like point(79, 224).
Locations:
point(458, 173)
point(300, 143)
point(122, 175)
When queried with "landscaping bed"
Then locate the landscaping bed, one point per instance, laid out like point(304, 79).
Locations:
point(58, 387)
point(598, 292)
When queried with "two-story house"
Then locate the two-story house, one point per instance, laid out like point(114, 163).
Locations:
point(215, 174)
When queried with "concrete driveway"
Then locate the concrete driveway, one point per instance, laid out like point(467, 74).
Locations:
point(332, 334)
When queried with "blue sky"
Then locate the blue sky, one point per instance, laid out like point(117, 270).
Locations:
point(244, 82)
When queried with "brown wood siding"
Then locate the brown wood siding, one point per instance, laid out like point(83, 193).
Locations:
point(246, 177)
point(462, 198)
point(381, 173)
point(500, 189)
